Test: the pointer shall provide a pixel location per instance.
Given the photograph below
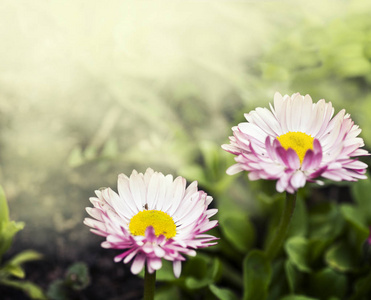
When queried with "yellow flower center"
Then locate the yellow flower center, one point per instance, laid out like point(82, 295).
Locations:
point(300, 142)
point(159, 220)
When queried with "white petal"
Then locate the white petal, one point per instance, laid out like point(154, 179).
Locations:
point(177, 268)
point(138, 190)
point(138, 263)
point(125, 193)
point(298, 179)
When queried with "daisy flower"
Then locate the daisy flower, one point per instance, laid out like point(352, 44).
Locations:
point(297, 141)
point(153, 217)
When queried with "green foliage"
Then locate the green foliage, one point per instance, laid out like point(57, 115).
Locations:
point(329, 59)
point(257, 275)
point(12, 270)
point(32, 290)
point(76, 279)
point(328, 283)
point(298, 253)
point(222, 293)
point(8, 229)
point(237, 230)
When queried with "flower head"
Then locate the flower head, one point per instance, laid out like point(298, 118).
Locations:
point(297, 141)
point(153, 217)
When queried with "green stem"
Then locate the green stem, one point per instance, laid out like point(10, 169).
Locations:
point(149, 284)
point(276, 244)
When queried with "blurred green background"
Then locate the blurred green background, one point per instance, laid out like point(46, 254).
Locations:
point(92, 89)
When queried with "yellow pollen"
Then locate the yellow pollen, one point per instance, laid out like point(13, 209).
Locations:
point(159, 220)
point(300, 142)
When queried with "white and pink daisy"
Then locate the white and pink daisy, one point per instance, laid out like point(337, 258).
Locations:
point(153, 217)
point(297, 141)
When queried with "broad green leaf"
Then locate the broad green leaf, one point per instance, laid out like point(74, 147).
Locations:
point(238, 230)
point(278, 283)
point(24, 256)
point(78, 276)
point(353, 215)
point(326, 222)
point(341, 257)
point(328, 283)
point(316, 248)
point(360, 191)
point(58, 290)
point(257, 274)
point(31, 289)
point(4, 209)
point(195, 284)
point(292, 275)
point(201, 271)
point(297, 251)
point(216, 269)
point(13, 270)
point(7, 233)
point(222, 293)
point(359, 231)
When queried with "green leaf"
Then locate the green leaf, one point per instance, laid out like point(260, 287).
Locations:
point(238, 230)
point(4, 209)
point(359, 230)
point(202, 271)
point(7, 233)
point(360, 191)
point(297, 251)
point(292, 275)
point(31, 289)
point(341, 257)
point(316, 248)
point(78, 276)
point(24, 256)
point(328, 283)
point(14, 270)
point(257, 274)
point(278, 283)
point(326, 222)
point(58, 290)
point(353, 215)
point(222, 293)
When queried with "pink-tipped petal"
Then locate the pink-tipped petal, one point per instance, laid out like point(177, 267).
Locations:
point(335, 142)
point(187, 207)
